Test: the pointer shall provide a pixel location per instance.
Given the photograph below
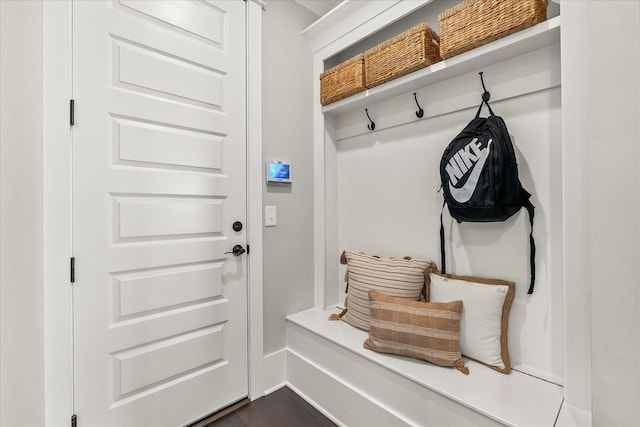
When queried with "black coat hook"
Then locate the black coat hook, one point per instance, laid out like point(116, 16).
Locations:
point(485, 95)
point(420, 112)
point(371, 126)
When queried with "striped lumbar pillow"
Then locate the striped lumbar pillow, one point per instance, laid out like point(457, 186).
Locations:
point(403, 278)
point(427, 331)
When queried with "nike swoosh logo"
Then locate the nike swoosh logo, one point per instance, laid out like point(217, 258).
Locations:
point(464, 193)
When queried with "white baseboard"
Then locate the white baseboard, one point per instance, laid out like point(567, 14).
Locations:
point(570, 416)
point(313, 403)
point(275, 371)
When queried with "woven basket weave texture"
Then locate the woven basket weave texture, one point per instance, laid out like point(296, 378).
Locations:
point(474, 23)
point(407, 52)
point(343, 80)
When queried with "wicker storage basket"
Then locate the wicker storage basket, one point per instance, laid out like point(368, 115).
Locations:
point(474, 23)
point(345, 79)
point(407, 52)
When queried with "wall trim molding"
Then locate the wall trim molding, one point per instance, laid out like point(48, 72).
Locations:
point(275, 370)
point(57, 138)
point(260, 3)
point(254, 198)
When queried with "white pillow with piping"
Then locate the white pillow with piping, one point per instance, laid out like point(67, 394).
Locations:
point(485, 315)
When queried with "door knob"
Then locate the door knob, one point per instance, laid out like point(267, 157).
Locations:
point(237, 250)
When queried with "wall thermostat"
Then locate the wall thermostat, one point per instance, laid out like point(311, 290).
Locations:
point(278, 172)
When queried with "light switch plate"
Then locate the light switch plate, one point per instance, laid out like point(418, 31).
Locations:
point(270, 216)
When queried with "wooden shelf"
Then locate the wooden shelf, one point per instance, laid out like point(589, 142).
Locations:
point(538, 36)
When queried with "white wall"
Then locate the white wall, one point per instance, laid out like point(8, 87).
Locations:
point(21, 218)
point(601, 168)
point(614, 153)
point(287, 136)
point(612, 145)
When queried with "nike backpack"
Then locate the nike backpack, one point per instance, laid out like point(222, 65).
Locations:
point(480, 181)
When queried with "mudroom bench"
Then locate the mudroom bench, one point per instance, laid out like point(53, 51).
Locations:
point(327, 365)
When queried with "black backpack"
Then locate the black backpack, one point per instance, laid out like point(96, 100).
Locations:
point(480, 180)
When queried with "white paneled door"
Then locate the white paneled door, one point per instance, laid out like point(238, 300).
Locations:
point(159, 179)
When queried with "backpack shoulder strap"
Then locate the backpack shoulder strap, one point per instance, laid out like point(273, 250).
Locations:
point(442, 254)
point(532, 256)
point(484, 102)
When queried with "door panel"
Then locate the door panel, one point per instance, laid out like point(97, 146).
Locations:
point(160, 289)
point(198, 18)
point(145, 145)
point(171, 79)
point(159, 177)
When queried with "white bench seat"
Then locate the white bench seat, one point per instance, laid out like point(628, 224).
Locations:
point(327, 364)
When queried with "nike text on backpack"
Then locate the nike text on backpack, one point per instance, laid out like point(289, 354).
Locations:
point(480, 180)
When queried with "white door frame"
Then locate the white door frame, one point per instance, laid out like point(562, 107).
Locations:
point(58, 303)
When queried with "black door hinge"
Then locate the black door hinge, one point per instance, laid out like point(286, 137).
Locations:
point(72, 112)
point(248, 249)
point(73, 271)
point(74, 420)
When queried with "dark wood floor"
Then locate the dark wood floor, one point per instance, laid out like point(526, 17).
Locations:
point(282, 408)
